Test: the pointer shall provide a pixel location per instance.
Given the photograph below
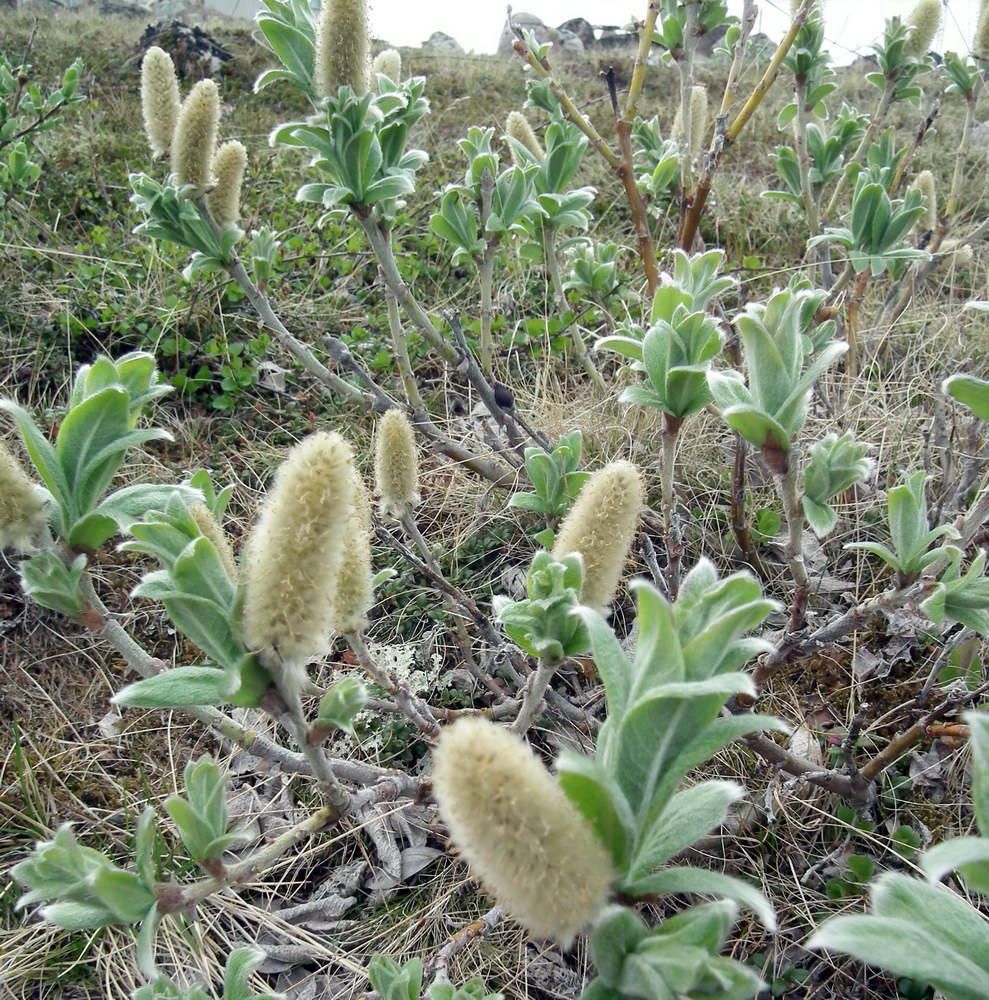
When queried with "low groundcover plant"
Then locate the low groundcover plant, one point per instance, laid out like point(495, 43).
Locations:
point(580, 739)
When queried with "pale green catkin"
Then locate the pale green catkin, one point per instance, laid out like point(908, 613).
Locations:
point(294, 555)
point(353, 594)
point(229, 164)
point(517, 126)
point(924, 183)
point(980, 45)
point(210, 528)
point(342, 48)
point(924, 20)
point(600, 526)
point(387, 63)
point(396, 464)
point(194, 142)
point(698, 120)
point(22, 505)
point(159, 99)
point(527, 843)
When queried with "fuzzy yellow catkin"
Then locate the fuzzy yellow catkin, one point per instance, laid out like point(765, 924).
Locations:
point(194, 142)
point(210, 528)
point(293, 557)
point(388, 63)
point(342, 48)
point(396, 464)
point(518, 127)
point(159, 99)
point(924, 20)
point(924, 183)
point(524, 839)
point(229, 164)
point(600, 526)
point(980, 44)
point(22, 506)
point(353, 594)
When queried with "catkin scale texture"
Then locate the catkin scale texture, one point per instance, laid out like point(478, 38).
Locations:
point(210, 528)
point(926, 185)
point(342, 48)
point(294, 556)
point(388, 63)
point(159, 99)
point(229, 164)
point(22, 509)
point(924, 21)
point(353, 594)
point(524, 839)
point(600, 526)
point(698, 119)
point(396, 464)
point(980, 45)
point(518, 127)
point(194, 142)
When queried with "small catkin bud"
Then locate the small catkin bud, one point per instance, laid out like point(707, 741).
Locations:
point(980, 45)
point(293, 557)
point(518, 127)
point(524, 839)
point(600, 526)
point(22, 505)
point(698, 120)
point(159, 99)
point(924, 20)
point(342, 48)
point(229, 164)
point(194, 142)
point(210, 528)
point(353, 594)
point(956, 253)
point(396, 464)
point(387, 63)
point(924, 183)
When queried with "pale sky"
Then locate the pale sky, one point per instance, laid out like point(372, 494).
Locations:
point(851, 24)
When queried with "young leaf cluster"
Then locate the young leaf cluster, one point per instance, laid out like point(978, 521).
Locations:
point(88, 888)
point(922, 929)
point(554, 477)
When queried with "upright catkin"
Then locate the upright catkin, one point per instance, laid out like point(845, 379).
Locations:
point(924, 20)
point(159, 99)
point(194, 142)
point(517, 126)
point(698, 119)
point(524, 839)
point(22, 505)
point(353, 595)
point(924, 183)
point(980, 45)
point(294, 555)
point(342, 48)
point(229, 164)
point(396, 464)
point(600, 526)
point(210, 528)
point(387, 63)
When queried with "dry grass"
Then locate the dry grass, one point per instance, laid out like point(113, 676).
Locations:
point(62, 759)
